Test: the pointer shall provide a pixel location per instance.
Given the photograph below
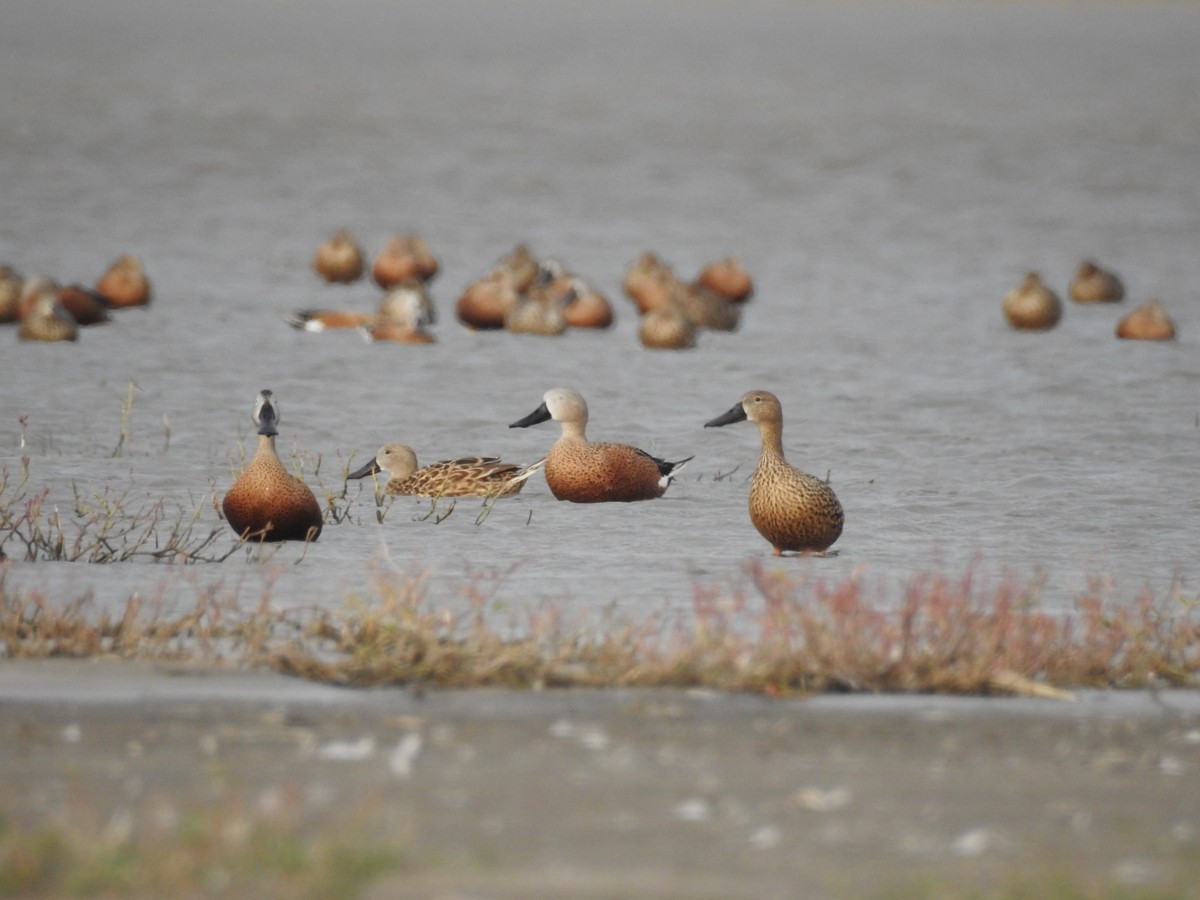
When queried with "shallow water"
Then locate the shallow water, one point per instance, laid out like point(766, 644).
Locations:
point(886, 170)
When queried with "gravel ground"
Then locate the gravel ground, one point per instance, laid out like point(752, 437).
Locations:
point(615, 793)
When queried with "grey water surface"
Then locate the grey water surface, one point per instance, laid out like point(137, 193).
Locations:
point(886, 170)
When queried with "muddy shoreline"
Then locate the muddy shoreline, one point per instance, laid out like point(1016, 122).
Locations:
point(615, 793)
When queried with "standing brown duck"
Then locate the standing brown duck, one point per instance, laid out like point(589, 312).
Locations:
point(791, 509)
point(267, 502)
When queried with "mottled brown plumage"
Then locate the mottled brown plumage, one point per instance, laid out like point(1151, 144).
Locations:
point(267, 502)
point(583, 472)
point(666, 328)
point(47, 321)
point(791, 509)
point(468, 476)
point(1031, 306)
point(339, 260)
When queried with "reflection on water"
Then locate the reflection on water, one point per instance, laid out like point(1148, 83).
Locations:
point(888, 171)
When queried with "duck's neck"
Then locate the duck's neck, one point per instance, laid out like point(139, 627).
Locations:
point(772, 440)
point(266, 450)
point(574, 431)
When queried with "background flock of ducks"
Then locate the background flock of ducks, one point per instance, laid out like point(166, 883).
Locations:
point(525, 295)
point(794, 511)
point(44, 310)
point(1032, 306)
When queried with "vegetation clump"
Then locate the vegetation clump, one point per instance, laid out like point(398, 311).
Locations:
point(775, 635)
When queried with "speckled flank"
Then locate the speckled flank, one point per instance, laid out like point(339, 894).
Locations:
point(468, 476)
point(583, 472)
point(793, 510)
point(267, 502)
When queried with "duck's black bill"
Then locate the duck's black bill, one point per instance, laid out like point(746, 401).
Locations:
point(369, 469)
point(541, 414)
point(737, 414)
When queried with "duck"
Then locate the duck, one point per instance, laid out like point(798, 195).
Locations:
point(704, 309)
point(649, 282)
point(584, 472)
point(1093, 284)
point(267, 502)
point(793, 510)
point(395, 304)
point(318, 320)
point(404, 258)
point(1031, 306)
point(408, 300)
point(666, 328)
point(31, 289)
point(10, 292)
point(727, 278)
point(587, 307)
point(522, 265)
point(540, 309)
point(124, 283)
point(339, 260)
point(1149, 322)
point(87, 307)
point(467, 476)
point(47, 320)
point(485, 302)
point(403, 316)
point(541, 315)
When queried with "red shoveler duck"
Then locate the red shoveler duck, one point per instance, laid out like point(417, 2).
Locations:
point(793, 510)
point(585, 472)
point(485, 302)
point(339, 260)
point(404, 258)
point(1149, 322)
point(267, 502)
point(87, 307)
point(727, 278)
point(1031, 306)
point(1093, 284)
point(125, 283)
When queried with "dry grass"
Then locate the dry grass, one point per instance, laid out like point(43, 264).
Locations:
point(777, 635)
point(99, 527)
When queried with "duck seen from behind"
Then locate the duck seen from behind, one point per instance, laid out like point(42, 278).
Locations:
point(1093, 284)
point(583, 472)
point(1031, 306)
point(468, 476)
point(267, 502)
point(1149, 322)
point(793, 510)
